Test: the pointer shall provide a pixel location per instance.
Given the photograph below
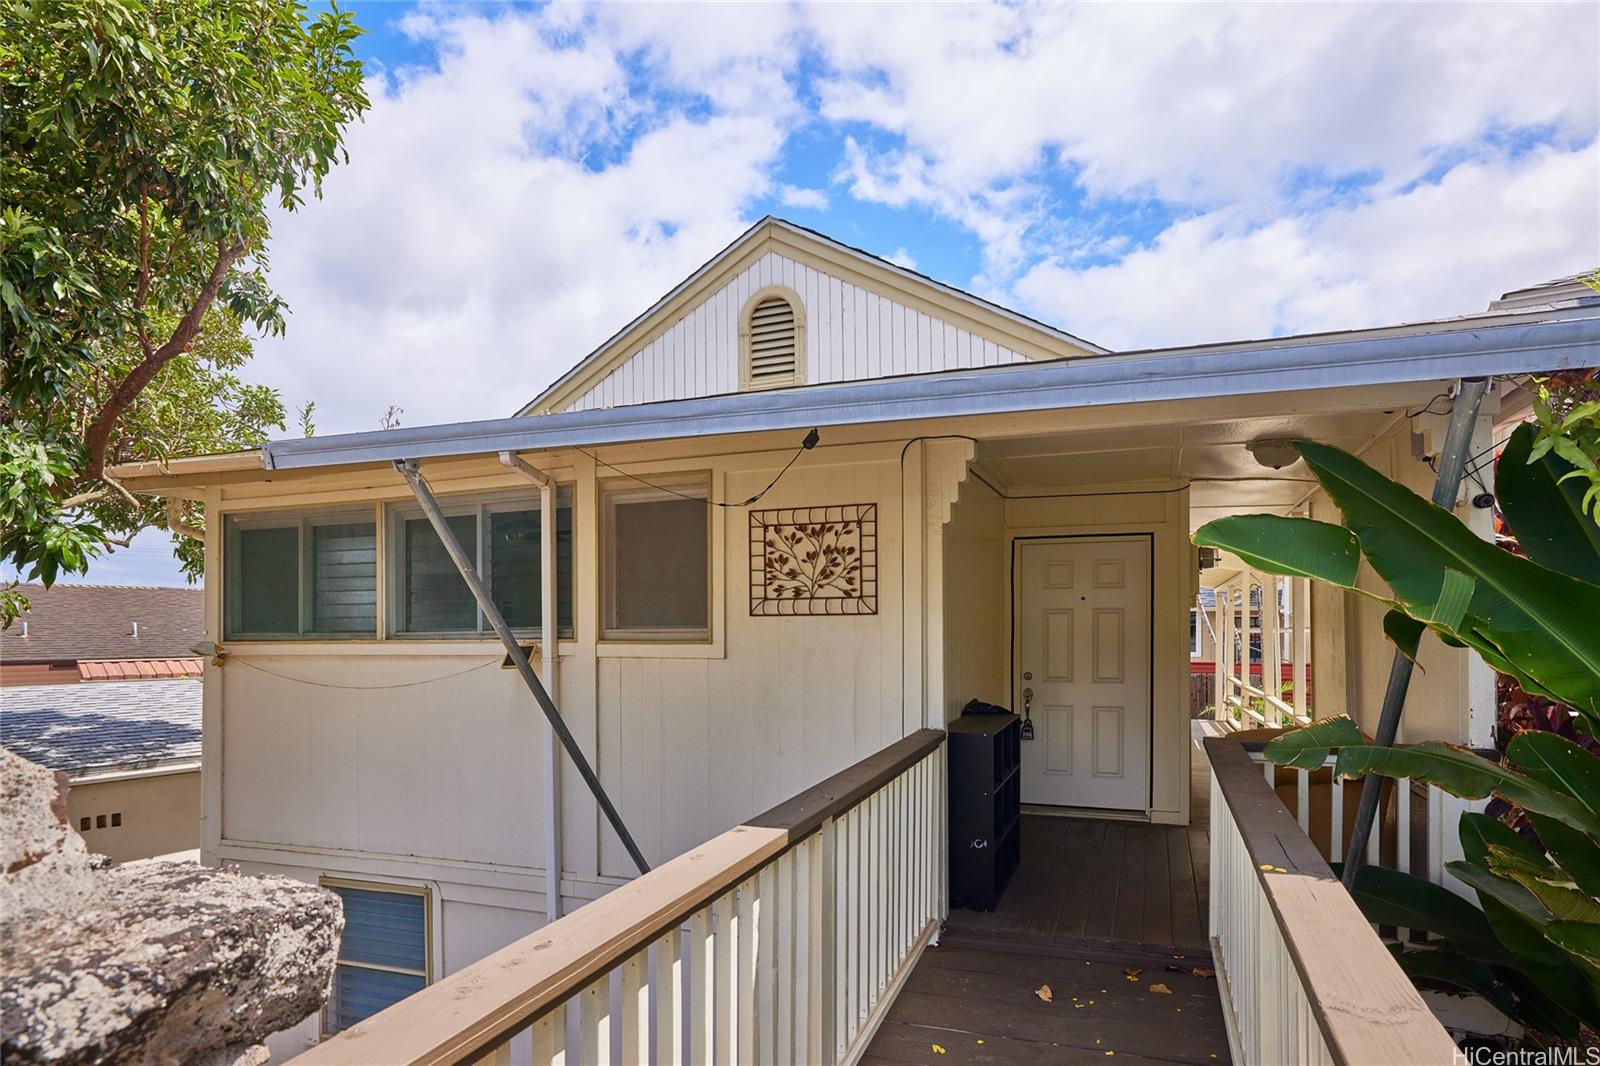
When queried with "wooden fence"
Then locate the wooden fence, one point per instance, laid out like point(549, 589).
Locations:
point(782, 940)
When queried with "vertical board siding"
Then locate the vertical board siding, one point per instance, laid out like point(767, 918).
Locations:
point(851, 334)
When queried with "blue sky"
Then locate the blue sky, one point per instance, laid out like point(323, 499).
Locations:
point(531, 177)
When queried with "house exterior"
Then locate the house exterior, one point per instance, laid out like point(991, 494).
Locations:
point(995, 510)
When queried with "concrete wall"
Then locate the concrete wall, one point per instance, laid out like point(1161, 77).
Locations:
point(160, 814)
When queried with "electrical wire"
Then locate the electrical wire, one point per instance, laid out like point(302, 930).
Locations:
point(366, 688)
point(806, 445)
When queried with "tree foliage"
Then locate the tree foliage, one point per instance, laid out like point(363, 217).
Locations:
point(145, 146)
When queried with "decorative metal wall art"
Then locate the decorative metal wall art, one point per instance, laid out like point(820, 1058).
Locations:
point(814, 560)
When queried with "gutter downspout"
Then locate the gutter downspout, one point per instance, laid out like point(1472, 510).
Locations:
point(1447, 483)
point(550, 663)
point(519, 658)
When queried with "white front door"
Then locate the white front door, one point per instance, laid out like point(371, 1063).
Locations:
point(1083, 670)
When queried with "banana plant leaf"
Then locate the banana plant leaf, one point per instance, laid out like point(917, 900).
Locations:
point(1544, 512)
point(1295, 547)
point(1309, 747)
point(1450, 968)
point(1491, 886)
point(1461, 773)
point(1540, 620)
point(1549, 970)
point(1390, 897)
point(1579, 938)
point(1479, 833)
point(1557, 762)
point(1575, 852)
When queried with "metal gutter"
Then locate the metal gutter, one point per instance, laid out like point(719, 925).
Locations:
point(1259, 367)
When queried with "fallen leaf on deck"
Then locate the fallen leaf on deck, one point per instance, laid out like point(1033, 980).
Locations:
point(1201, 971)
point(1131, 972)
point(1161, 989)
point(1044, 993)
point(980, 1039)
point(937, 1050)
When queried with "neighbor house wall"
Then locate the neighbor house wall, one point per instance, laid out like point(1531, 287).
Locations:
point(159, 813)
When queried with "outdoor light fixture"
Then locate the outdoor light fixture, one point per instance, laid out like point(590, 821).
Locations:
point(1275, 453)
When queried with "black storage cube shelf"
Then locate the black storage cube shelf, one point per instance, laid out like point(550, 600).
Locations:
point(985, 757)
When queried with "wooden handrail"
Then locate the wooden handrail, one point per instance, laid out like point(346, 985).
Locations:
point(471, 1012)
point(1364, 1005)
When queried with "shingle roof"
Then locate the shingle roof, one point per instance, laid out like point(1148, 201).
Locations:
point(70, 622)
point(102, 726)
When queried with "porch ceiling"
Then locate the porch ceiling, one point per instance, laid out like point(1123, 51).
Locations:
point(1210, 456)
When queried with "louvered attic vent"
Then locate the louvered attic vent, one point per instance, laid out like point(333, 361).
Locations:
point(773, 343)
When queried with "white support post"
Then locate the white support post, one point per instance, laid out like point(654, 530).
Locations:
point(1300, 617)
point(1271, 649)
point(1223, 652)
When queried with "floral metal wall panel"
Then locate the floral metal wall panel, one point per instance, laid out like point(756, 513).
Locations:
point(814, 560)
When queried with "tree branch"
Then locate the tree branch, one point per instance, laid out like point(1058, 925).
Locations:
point(98, 435)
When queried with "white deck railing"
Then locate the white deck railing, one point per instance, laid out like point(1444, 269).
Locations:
point(782, 940)
point(1303, 977)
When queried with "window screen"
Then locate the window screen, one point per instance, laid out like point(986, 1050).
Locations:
point(514, 567)
point(266, 589)
point(344, 582)
point(289, 576)
point(437, 599)
point(383, 954)
point(658, 574)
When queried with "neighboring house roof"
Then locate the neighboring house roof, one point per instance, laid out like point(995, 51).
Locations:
point(139, 669)
point(1030, 336)
point(108, 726)
point(97, 622)
point(1483, 344)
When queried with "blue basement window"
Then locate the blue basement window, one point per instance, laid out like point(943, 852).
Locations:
point(383, 954)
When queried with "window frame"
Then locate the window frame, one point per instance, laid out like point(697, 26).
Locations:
point(698, 484)
point(480, 506)
point(304, 522)
point(1196, 636)
point(393, 888)
point(746, 382)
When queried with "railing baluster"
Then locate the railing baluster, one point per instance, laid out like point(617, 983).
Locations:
point(727, 985)
point(1303, 800)
point(635, 1008)
point(749, 947)
point(594, 1023)
point(767, 959)
point(669, 999)
point(1336, 829)
point(702, 985)
point(550, 1039)
point(789, 957)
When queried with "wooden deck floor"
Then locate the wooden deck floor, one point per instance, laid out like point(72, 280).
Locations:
point(1091, 899)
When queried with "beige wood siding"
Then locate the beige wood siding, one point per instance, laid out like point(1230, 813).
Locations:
point(851, 333)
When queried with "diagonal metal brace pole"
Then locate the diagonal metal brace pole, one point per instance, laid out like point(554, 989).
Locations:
point(1447, 482)
point(519, 658)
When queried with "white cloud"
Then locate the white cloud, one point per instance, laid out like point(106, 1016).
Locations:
point(503, 214)
point(1439, 248)
point(1206, 105)
point(903, 258)
point(811, 199)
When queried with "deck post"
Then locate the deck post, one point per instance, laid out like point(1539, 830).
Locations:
point(519, 658)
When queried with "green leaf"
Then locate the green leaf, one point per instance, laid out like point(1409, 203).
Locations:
point(1309, 746)
point(1575, 852)
point(1389, 897)
point(1461, 773)
point(1504, 890)
point(1479, 832)
point(1559, 763)
point(1579, 938)
point(1545, 513)
point(1297, 547)
point(1539, 620)
point(1404, 631)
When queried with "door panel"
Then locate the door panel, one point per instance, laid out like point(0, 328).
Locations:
point(1083, 649)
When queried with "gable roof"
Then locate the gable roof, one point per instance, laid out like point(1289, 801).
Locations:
point(75, 622)
point(105, 726)
point(1026, 335)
